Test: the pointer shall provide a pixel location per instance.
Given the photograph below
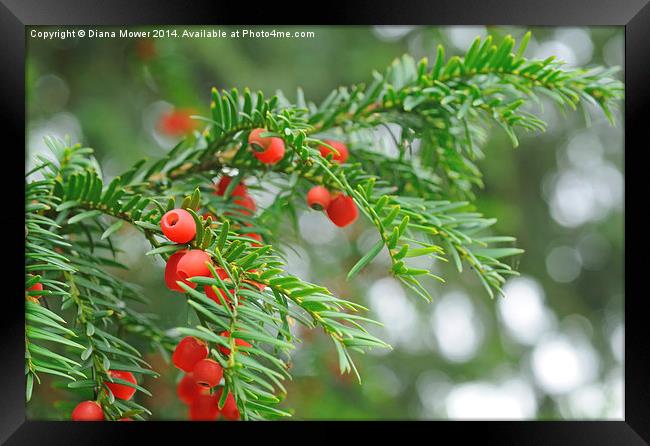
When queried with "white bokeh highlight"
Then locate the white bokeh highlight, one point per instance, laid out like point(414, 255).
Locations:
point(564, 264)
point(512, 400)
point(457, 328)
point(561, 365)
point(523, 311)
point(393, 309)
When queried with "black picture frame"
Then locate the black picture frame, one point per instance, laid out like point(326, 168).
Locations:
point(634, 15)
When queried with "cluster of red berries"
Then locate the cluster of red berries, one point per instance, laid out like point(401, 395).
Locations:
point(241, 197)
point(186, 264)
point(340, 208)
point(239, 194)
point(201, 375)
point(179, 227)
point(268, 149)
point(92, 410)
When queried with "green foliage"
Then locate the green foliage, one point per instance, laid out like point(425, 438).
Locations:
point(419, 201)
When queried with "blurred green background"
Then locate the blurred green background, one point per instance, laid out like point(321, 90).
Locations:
point(552, 349)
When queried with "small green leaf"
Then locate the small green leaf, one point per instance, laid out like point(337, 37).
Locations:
point(165, 249)
point(366, 259)
point(86, 353)
point(112, 228)
point(84, 215)
point(83, 384)
point(29, 387)
point(498, 253)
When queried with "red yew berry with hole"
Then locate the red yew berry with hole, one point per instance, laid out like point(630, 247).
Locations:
point(204, 408)
point(229, 410)
point(254, 137)
point(88, 411)
point(193, 264)
point(273, 153)
point(342, 210)
point(269, 150)
point(318, 198)
point(340, 157)
point(121, 391)
point(238, 342)
point(188, 352)
point(187, 389)
point(178, 226)
point(207, 373)
point(177, 123)
point(171, 274)
point(238, 191)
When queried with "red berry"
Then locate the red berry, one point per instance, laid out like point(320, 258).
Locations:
point(209, 214)
point(341, 148)
point(207, 373)
point(171, 275)
point(36, 287)
point(255, 236)
point(318, 198)
point(178, 226)
point(238, 191)
point(187, 389)
point(210, 292)
point(121, 391)
point(204, 408)
point(247, 202)
point(272, 147)
point(193, 264)
point(188, 352)
point(238, 342)
point(146, 49)
point(88, 411)
point(273, 153)
point(342, 210)
point(177, 123)
point(229, 410)
point(212, 295)
point(255, 138)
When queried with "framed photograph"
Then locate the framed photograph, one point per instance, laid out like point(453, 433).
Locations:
point(386, 214)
